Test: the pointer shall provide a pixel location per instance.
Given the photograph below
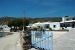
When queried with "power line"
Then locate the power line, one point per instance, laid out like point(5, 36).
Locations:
point(29, 9)
point(34, 5)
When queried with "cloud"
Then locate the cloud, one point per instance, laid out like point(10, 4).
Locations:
point(52, 3)
point(57, 3)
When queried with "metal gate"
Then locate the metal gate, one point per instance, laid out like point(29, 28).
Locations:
point(42, 40)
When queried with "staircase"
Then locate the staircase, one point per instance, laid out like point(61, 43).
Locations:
point(32, 49)
point(26, 46)
point(27, 39)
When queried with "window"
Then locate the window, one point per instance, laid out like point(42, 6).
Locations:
point(67, 19)
point(62, 25)
point(46, 25)
point(68, 24)
point(72, 25)
point(73, 19)
point(54, 26)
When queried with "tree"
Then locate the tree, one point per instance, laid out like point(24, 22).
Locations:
point(35, 21)
point(18, 22)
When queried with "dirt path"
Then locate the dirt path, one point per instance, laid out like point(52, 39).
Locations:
point(9, 42)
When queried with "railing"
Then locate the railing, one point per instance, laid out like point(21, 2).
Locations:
point(42, 41)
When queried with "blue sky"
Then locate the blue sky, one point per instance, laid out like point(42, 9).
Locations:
point(47, 8)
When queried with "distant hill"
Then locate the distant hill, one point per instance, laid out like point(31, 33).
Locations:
point(4, 20)
point(54, 19)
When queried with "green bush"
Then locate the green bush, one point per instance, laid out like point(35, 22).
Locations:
point(62, 28)
point(50, 29)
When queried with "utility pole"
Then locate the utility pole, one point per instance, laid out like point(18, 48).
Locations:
point(23, 20)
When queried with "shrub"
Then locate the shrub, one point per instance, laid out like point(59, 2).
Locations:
point(50, 29)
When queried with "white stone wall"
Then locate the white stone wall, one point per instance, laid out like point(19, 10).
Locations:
point(57, 25)
point(64, 19)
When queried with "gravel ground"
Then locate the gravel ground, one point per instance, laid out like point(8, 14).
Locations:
point(65, 42)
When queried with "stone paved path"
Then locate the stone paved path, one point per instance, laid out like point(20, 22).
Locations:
point(65, 42)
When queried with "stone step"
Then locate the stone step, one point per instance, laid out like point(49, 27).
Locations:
point(32, 49)
point(26, 46)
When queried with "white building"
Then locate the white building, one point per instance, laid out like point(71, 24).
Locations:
point(46, 25)
point(55, 25)
point(5, 28)
point(66, 23)
point(31, 26)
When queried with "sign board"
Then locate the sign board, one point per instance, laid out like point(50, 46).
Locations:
point(38, 35)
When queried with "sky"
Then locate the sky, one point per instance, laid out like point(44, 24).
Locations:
point(46, 8)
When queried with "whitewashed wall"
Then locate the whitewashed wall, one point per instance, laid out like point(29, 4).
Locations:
point(64, 19)
point(57, 25)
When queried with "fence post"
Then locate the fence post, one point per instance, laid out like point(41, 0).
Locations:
point(31, 38)
point(51, 41)
point(45, 43)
